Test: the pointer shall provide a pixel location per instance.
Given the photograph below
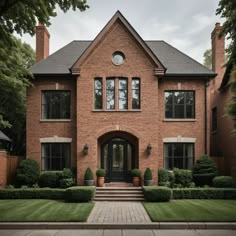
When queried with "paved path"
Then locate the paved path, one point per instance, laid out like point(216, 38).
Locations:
point(118, 212)
point(119, 232)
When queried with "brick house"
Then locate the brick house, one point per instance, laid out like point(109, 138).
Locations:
point(117, 102)
point(223, 147)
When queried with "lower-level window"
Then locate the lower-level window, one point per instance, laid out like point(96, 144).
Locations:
point(179, 155)
point(55, 156)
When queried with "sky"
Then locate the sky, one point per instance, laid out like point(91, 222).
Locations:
point(185, 24)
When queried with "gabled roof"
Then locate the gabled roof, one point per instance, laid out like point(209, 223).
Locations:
point(163, 55)
point(118, 17)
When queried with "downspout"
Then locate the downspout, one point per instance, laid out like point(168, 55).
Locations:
point(206, 141)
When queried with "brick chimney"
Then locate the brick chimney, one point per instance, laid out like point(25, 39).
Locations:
point(218, 53)
point(42, 42)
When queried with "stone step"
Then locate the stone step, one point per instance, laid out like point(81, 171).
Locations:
point(118, 188)
point(119, 195)
point(118, 191)
point(119, 199)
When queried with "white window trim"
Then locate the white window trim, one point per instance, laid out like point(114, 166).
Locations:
point(55, 139)
point(179, 139)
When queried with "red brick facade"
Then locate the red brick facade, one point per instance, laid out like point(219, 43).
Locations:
point(141, 127)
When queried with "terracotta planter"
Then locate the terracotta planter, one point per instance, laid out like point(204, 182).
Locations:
point(100, 181)
point(136, 181)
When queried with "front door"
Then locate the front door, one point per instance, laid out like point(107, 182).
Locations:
point(117, 158)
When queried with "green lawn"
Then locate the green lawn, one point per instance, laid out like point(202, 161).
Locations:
point(43, 210)
point(192, 210)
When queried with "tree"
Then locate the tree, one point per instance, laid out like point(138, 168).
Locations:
point(21, 16)
point(227, 9)
point(14, 79)
point(208, 58)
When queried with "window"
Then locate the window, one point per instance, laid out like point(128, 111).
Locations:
point(135, 93)
point(179, 155)
point(123, 94)
point(98, 93)
point(55, 156)
point(118, 58)
point(180, 104)
point(214, 119)
point(110, 90)
point(56, 105)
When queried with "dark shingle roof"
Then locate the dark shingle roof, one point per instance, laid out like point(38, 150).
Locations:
point(176, 62)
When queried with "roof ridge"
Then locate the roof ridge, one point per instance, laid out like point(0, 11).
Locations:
point(188, 56)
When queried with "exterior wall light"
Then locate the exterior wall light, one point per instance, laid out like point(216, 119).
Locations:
point(149, 149)
point(85, 150)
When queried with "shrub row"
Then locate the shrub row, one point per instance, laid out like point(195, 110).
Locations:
point(76, 194)
point(204, 193)
point(163, 194)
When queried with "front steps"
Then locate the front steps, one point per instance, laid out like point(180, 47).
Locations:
point(119, 194)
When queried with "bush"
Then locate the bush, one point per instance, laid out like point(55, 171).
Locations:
point(100, 173)
point(32, 193)
point(88, 174)
point(66, 182)
point(204, 193)
point(165, 178)
point(136, 173)
point(182, 178)
point(27, 173)
point(67, 173)
point(223, 182)
point(147, 174)
point(157, 194)
point(204, 171)
point(80, 194)
point(50, 179)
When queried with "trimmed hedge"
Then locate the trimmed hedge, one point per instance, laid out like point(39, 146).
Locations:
point(32, 193)
point(223, 182)
point(80, 194)
point(50, 179)
point(204, 193)
point(157, 194)
point(182, 177)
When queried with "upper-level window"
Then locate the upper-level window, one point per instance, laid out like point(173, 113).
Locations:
point(118, 58)
point(214, 119)
point(56, 104)
point(179, 155)
point(98, 93)
point(55, 156)
point(110, 94)
point(123, 94)
point(135, 93)
point(180, 104)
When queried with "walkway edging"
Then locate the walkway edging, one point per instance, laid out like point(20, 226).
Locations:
point(158, 225)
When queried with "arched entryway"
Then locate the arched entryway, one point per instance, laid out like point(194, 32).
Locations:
point(118, 156)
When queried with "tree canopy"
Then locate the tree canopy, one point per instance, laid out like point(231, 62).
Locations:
point(21, 16)
point(227, 9)
point(208, 58)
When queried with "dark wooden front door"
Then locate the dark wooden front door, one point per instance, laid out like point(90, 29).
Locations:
point(117, 158)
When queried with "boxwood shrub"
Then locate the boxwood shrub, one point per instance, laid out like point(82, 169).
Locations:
point(204, 193)
point(32, 193)
point(157, 194)
point(223, 182)
point(80, 194)
point(50, 179)
point(182, 177)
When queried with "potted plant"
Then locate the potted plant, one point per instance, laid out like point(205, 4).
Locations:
point(148, 177)
point(136, 173)
point(88, 177)
point(100, 177)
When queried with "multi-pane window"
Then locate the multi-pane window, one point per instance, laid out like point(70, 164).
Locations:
point(55, 156)
point(123, 94)
point(180, 104)
point(179, 155)
point(98, 93)
point(135, 93)
point(56, 104)
point(214, 119)
point(110, 94)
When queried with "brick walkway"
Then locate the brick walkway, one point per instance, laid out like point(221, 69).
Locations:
point(118, 212)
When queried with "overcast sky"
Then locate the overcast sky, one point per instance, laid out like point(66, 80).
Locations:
point(185, 24)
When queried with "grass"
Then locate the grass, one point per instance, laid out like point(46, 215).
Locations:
point(43, 210)
point(192, 210)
